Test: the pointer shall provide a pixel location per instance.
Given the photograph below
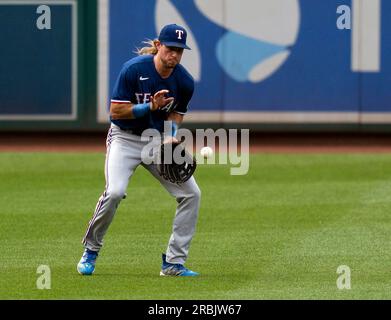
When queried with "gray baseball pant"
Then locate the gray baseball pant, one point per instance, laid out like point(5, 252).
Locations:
point(122, 158)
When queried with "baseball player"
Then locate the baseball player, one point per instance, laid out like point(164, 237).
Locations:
point(151, 88)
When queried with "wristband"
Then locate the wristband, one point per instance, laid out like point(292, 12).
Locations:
point(140, 110)
point(174, 129)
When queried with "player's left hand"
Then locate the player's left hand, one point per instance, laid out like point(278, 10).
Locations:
point(170, 140)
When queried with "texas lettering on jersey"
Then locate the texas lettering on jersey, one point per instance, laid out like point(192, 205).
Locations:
point(146, 98)
point(143, 97)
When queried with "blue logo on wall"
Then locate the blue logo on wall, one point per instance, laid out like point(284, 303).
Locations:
point(253, 36)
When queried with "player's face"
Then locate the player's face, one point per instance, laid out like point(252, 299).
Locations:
point(170, 56)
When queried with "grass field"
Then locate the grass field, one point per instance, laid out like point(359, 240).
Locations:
point(279, 232)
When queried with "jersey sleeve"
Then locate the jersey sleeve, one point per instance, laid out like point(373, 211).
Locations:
point(124, 86)
point(185, 97)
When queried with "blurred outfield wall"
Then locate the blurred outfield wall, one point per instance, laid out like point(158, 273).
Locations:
point(271, 65)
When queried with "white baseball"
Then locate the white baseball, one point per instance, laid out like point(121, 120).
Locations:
point(206, 152)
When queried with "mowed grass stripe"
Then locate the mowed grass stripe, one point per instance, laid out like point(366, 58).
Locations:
point(279, 232)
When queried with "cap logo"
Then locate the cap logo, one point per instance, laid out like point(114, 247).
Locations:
point(180, 33)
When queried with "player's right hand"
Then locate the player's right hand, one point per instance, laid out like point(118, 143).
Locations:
point(159, 100)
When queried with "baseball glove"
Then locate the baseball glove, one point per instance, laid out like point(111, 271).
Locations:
point(175, 164)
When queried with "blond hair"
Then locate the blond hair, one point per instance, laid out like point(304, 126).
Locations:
point(150, 49)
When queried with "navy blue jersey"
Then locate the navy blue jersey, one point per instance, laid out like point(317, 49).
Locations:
point(139, 79)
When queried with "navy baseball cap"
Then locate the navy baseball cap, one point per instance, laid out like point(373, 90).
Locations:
point(173, 35)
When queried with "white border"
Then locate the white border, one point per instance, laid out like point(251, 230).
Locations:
point(102, 115)
point(73, 115)
point(289, 117)
point(366, 35)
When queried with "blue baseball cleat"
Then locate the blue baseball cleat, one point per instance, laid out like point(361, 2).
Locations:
point(86, 265)
point(170, 269)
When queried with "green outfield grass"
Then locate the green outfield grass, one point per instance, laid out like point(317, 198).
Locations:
point(279, 232)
